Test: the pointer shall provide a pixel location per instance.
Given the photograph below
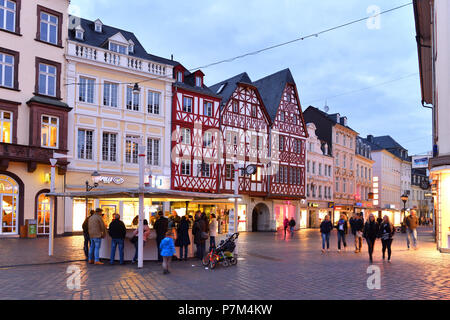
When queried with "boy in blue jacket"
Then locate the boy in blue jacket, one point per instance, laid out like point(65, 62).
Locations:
point(167, 247)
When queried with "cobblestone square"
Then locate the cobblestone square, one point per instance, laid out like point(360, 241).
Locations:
point(269, 268)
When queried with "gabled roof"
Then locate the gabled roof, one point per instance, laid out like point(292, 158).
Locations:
point(271, 89)
point(230, 86)
point(100, 39)
point(189, 83)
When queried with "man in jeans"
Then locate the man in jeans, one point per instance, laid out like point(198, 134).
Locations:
point(87, 240)
point(117, 231)
point(357, 226)
point(411, 223)
point(97, 231)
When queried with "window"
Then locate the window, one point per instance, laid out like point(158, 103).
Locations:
point(337, 160)
point(85, 144)
point(337, 184)
point(351, 163)
point(98, 26)
point(344, 140)
point(133, 99)
point(185, 167)
point(235, 107)
point(314, 167)
point(186, 136)
point(357, 170)
point(198, 81)
point(320, 169)
point(180, 76)
point(337, 137)
point(229, 171)
point(8, 15)
point(6, 125)
point(344, 185)
point(294, 120)
point(187, 104)
point(49, 131)
point(49, 28)
point(153, 151)
point(206, 170)
point(6, 70)
point(208, 109)
point(79, 35)
point(282, 116)
point(207, 139)
point(109, 147)
point(86, 90)
point(118, 48)
point(47, 80)
point(221, 88)
point(254, 111)
point(110, 94)
point(307, 166)
point(131, 149)
point(320, 192)
point(281, 143)
point(131, 48)
point(153, 102)
point(365, 173)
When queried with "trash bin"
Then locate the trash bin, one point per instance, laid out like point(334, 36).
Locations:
point(31, 225)
point(23, 231)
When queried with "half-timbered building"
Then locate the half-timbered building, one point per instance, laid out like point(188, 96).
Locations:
point(286, 185)
point(195, 133)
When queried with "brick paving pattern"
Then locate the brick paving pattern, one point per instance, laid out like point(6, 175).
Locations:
point(271, 268)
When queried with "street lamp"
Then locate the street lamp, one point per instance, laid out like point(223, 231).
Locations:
point(95, 177)
point(136, 89)
point(404, 198)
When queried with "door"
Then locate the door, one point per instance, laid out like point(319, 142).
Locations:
point(8, 206)
point(255, 220)
point(43, 215)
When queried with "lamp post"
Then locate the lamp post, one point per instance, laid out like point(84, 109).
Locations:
point(95, 176)
point(404, 199)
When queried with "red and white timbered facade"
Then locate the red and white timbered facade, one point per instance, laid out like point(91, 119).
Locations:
point(245, 129)
point(196, 135)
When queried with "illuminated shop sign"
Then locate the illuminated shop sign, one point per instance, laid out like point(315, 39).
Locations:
point(108, 180)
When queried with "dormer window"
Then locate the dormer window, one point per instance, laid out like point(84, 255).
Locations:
point(117, 48)
point(79, 33)
point(180, 76)
point(221, 88)
point(130, 46)
point(198, 81)
point(98, 26)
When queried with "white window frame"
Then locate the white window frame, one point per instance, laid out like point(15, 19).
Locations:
point(79, 34)
point(180, 76)
point(110, 153)
point(108, 85)
point(7, 10)
point(118, 45)
point(186, 134)
point(151, 102)
point(186, 98)
point(5, 65)
point(208, 108)
point(198, 81)
point(83, 89)
point(49, 24)
point(187, 165)
point(48, 75)
point(135, 97)
point(86, 144)
point(50, 125)
point(207, 139)
point(10, 121)
point(151, 159)
point(134, 152)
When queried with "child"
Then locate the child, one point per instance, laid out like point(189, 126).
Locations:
point(167, 251)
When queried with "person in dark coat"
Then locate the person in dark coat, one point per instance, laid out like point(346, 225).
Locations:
point(357, 226)
point(325, 229)
point(198, 228)
point(370, 234)
point(87, 239)
point(183, 240)
point(117, 231)
point(161, 226)
point(386, 233)
point(342, 229)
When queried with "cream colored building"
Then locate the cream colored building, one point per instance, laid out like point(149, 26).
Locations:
point(104, 66)
point(33, 115)
point(363, 169)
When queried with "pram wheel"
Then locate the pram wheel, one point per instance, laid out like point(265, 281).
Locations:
point(226, 263)
point(212, 264)
point(233, 261)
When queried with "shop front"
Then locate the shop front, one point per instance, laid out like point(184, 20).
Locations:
point(318, 211)
point(284, 210)
point(339, 209)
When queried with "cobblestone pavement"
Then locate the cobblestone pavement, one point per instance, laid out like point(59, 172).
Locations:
point(269, 268)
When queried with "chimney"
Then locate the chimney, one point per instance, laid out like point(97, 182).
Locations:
point(343, 121)
point(370, 138)
point(171, 57)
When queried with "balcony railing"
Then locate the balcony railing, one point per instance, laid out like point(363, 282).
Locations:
point(117, 59)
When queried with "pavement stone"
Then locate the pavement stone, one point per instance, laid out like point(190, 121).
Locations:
point(270, 268)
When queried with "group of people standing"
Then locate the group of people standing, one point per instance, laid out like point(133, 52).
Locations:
point(370, 230)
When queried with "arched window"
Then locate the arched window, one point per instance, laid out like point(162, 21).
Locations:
point(9, 194)
point(43, 215)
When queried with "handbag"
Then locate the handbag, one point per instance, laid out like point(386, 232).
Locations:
point(204, 235)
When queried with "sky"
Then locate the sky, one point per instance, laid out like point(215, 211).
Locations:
point(333, 69)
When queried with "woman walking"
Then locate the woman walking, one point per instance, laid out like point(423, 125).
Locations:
point(342, 227)
point(386, 234)
point(183, 240)
point(370, 234)
point(325, 229)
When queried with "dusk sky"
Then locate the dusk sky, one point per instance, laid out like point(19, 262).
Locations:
point(328, 68)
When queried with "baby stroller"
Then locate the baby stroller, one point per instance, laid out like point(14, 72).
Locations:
point(223, 253)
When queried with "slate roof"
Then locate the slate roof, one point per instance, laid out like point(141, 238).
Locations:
point(100, 40)
point(230, 87)
point(189, 84)
point(388, 143)
point(373, 146)
point(271, 89)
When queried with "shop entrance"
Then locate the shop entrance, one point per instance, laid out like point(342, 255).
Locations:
point(260, 218)
point(8, 205)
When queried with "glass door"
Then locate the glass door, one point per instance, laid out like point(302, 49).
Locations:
point(8, 205)
point(43, 215)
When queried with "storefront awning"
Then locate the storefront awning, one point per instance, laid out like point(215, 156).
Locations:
point(148, 193)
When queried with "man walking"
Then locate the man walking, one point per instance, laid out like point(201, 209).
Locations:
point(357, 226)
point(117, 231)
point(411, 223)
point(291, 226)
point(161, 226)
point(97, 231)
point(87, 240)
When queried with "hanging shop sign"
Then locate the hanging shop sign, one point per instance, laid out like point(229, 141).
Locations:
point(313, 205)
point(330, 205)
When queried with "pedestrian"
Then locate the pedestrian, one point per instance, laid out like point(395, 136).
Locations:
point(161, 226)
point(285, 225)
point(135, 239)
point(342, 229)
point(325, 229)
point(386, 233)
point(212, 231)
point(118, 232)
point(199, 231)
point(411, 223)
point(87, 240)
point(370, 234)
point(291, 226)
point(357, 226)
point(379, 220)
point(167, 249)
point(183, 240)
point(97, 231)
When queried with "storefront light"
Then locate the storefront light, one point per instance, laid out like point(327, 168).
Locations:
point(47, 178)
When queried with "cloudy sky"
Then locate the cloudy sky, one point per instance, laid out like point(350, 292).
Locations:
point(368, 74)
